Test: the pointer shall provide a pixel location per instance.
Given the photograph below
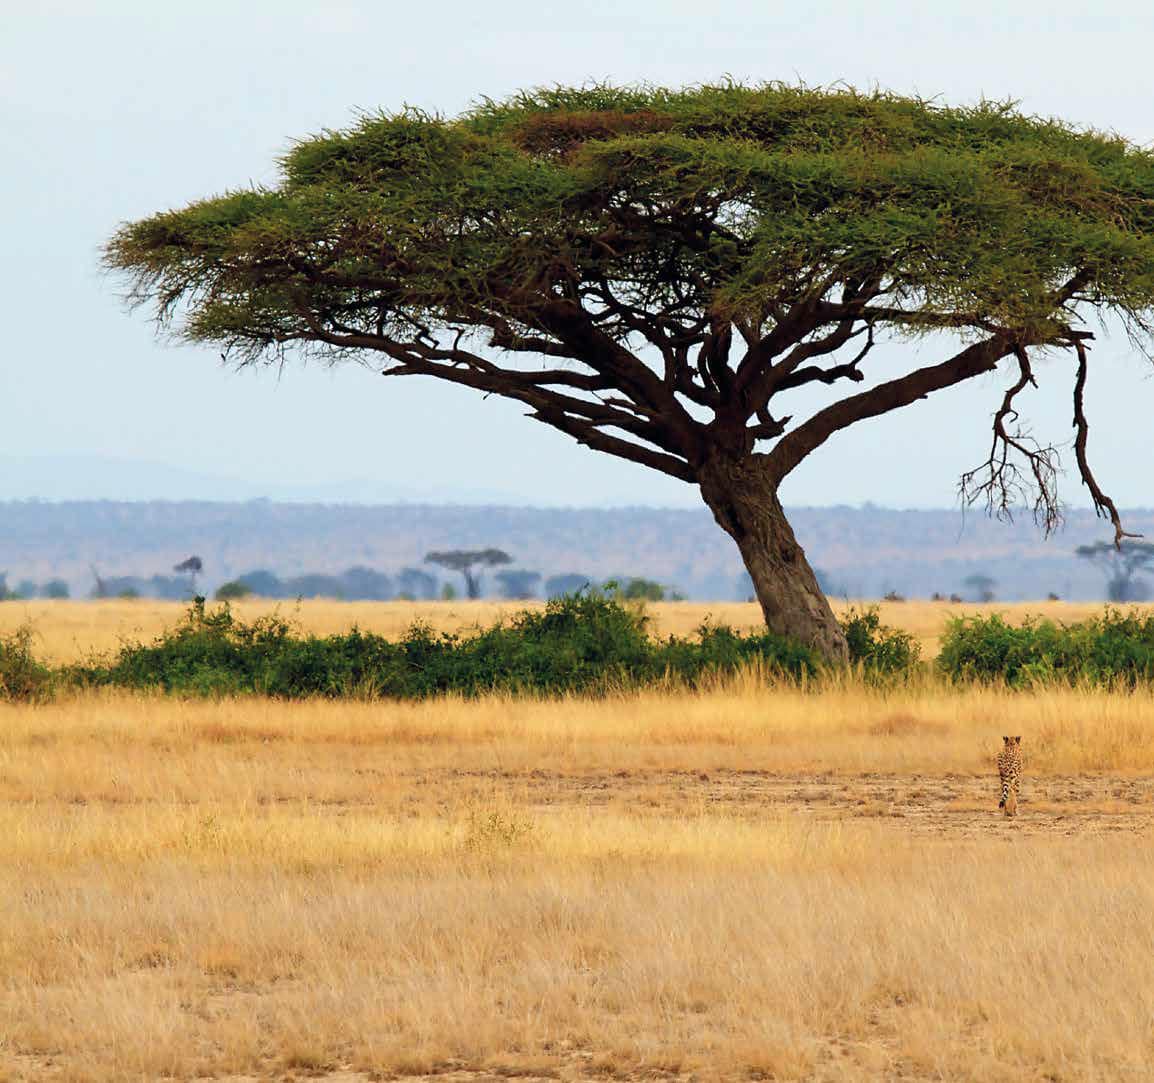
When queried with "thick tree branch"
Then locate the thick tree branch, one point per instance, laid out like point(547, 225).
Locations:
point(972, 361)
point(758, 378)
point(847, 371)
point(590, 436)
point(583, 419)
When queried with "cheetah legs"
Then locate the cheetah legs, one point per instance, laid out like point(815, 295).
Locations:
point(1009, 801)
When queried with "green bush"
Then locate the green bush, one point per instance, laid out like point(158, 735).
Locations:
point(21, 676)
point(1112, 649)
point(233, 590)
point(876, 648)
point(579, 643)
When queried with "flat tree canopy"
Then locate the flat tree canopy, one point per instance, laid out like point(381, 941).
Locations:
point(465, 560)
point(653, 271)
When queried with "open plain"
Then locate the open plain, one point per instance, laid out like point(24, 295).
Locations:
point(744, 881)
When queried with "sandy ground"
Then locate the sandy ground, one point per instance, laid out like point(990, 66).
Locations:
point(951, 806)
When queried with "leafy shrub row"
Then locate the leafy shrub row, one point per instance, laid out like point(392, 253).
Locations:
point(1113, 649)
point(580, 643)
point(586, 642)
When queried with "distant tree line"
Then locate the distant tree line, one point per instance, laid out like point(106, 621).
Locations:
point(413, 584)
point(27, 589)
point(358, 583)
point(168, 587)
point(353, 584)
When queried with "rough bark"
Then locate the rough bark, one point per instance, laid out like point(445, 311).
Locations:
point(743, 497)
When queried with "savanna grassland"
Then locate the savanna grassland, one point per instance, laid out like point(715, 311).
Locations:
point(748, 880)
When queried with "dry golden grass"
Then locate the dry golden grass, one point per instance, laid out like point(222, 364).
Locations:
point(69, 630)
point(740, 881)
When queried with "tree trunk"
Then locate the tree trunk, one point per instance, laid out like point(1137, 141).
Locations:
point(743, 499)
point(472, 584)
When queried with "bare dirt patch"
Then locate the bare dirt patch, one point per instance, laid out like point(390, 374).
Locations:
point(950, 806)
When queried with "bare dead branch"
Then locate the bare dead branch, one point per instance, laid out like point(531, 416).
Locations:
point(1000, 481)
point(1103, 505)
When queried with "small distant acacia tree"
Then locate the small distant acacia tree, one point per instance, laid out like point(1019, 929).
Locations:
point(192, 567)
point(657, 273)
point(982, 586)
point(1122, 565)
point(465, 560)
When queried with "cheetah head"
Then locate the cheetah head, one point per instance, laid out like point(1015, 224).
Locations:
point(1009, 741)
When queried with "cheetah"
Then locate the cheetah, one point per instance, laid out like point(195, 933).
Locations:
point(1010, 773)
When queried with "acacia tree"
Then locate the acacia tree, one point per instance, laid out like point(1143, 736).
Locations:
point(192, 567)
point(1121, 563)
point(982, 585)
point(465, 560)
point(656, 273)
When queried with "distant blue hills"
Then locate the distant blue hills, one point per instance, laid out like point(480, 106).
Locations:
point(861, 552)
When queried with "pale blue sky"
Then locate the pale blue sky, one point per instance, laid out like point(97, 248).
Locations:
point(111, 110)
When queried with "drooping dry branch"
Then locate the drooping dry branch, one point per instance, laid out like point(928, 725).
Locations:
point(1103, 505)
point(1000, 481)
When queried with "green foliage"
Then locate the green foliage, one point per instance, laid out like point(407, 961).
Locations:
point(582, 643)
point(636, 590)
point(1113, 649)
point(878, 649)
point(232, 591)
point(21, 676)
point(579, 644)
point(976, 213)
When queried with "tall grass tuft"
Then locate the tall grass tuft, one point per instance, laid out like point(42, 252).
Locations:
point(22, 678)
